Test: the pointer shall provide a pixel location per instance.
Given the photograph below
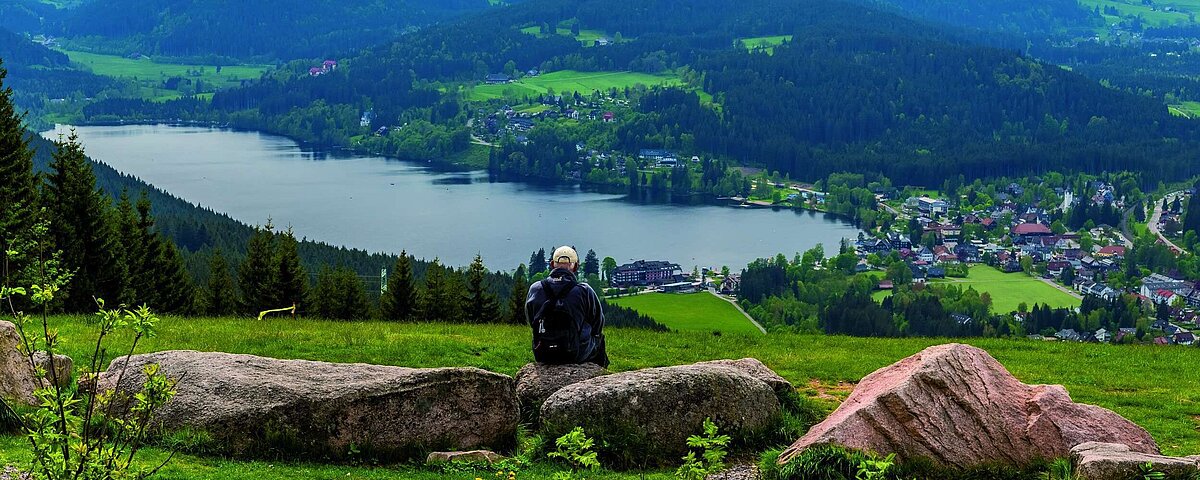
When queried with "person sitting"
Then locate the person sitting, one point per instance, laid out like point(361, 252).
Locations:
point(566, 315)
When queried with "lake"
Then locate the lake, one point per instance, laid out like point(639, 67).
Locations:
point(380, 204)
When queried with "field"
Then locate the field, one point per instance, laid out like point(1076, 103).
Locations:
point(1156, 387)
point(701, 312)
point(1153, 15)
point(1008, 290)
point(151, 75)
point(1186, 109)
point(586, 37)
point(567, 81)
point(766, 43)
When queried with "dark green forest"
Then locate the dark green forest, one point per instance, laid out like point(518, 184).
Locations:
point(858, 88)
point(275, 29)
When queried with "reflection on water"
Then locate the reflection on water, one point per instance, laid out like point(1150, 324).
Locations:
point(380, 204)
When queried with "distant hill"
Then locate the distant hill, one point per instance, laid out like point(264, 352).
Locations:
point(25, 15)
point(1021, 17)
point(282, 29)
point(38, 74)
point(858, 88)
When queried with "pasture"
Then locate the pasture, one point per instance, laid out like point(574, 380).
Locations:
point(151, 76)
point(567, 82)
point(1008, 290)
point(700, 312)
point(1156, 387)
point(766, 43)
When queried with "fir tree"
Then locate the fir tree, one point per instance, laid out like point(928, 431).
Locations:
point(81, 225)
point(537, 261)
point(481, 304)
point(516, 300)
point(175, 291)
point(19, 208)
point(291, 281)
point(399, 302)
point(439, 297)
point(220, 296)
point(591, 263)
point(256, 274)
point(339, 295)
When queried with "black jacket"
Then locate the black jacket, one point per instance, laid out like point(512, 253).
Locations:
point(583, 303)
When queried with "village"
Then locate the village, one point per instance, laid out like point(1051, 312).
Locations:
point(1026, 240)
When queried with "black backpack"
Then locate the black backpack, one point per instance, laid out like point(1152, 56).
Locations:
point(555, 331)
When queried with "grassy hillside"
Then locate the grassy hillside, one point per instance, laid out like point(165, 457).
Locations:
point(1157, 387)
point(699, 312)
point(155, 79)
point(568, 81)
point(1008, 290)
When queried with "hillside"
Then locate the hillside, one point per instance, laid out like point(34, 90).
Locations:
point(1020, 17)
point(280, 29)
point(1159, 393)
point(859, 88)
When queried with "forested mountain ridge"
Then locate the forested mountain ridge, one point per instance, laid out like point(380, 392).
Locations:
point(1019, 17)
point(856, 88)
point(280, 29)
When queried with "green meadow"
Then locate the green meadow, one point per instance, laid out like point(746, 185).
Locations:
point(1008, 290)
point(150, 75)
point(1157, 387)
point(568, 81)
point(700, 312)
point(765, 43)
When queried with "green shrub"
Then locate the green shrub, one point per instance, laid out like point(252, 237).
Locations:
point(711, 458)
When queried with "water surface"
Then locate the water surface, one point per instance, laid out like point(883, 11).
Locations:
point(379, 204)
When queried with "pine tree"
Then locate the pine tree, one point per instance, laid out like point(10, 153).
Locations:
point(591, 263)
point(339, 295)
point(19, 208)
point(399, 302)
point(176, 292)
point(256, 274)
point(220, 296)
point(439, 297)
point(481, 304)
point(516, 300)
point(81, 224)
point(291, 281)
point(537, 261)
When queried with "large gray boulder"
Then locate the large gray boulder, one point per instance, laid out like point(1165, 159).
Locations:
point(537, 381)
point(255, 406)
point(1111, 461)
point(645, 416)
point(756, 369)
point(957, 406)
point(17, 378)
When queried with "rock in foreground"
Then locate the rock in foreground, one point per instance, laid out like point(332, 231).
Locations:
point(645, 416)
point(255, 406)
point(17, 379)
point(957, 406)
point(1110, 461)
point(537, 381)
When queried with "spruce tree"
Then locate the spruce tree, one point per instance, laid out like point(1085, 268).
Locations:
point(481, 304)
point(175, 291)
point(256, 274)
point(440, 301)
point(399, 302)
point(516, 300)
point(19, 208)
point(591, 263)
point(81, 224)
point(291, 286)
point(339, 295)
point(537, 261)
point(220, 296)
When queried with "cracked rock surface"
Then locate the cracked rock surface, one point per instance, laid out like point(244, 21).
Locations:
point(957, 406)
